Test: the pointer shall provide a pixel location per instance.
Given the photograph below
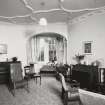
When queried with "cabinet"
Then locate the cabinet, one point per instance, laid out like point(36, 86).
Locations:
point(86, 75)
point(4, 72)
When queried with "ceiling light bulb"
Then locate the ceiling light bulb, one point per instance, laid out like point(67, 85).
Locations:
point(62, 0)
point(43, 21)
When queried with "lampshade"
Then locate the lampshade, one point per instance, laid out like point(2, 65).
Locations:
point(43, 21)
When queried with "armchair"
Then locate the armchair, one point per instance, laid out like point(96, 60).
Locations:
point(69, 93)
point(16, 78)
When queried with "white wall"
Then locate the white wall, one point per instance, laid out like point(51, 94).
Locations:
point(15, 36)
point(90, 29)
point(12, 35)
point(60, 28)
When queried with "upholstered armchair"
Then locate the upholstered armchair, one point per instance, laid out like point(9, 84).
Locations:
point(63, 69)
point(16, 78)
point(69, 93)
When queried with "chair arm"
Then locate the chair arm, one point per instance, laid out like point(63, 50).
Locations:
point(65, 89)
point(74, 81)
point(72, 90)
point(26, 77)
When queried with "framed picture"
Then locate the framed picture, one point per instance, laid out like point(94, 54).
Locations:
point(3, 48)
point(87, 47)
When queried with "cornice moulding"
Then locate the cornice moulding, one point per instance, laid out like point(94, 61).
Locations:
point(87, 15)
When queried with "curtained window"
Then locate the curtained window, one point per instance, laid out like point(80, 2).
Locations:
point(52, 49)
point(46, 48)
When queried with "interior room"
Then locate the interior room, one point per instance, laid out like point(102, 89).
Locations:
point(54, 50)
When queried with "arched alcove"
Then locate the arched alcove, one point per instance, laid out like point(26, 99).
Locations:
point(45, 47)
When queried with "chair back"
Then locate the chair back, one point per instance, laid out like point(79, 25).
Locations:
point(16, 72)
point(63, 82)
point(27, 70)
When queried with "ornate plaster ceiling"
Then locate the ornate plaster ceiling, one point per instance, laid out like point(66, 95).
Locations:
point(30, 11)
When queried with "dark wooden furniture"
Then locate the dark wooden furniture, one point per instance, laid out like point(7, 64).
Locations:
point(30, 72)
point(101, 83)
point(16, 79)
point(69, 93)
point(47, 69)
point(63, 69)
point(36, 75)
point(73, 83)
point(4, 72)
point(86, 75)
point(10, 73)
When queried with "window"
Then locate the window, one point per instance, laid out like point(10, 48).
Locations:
point(41, 55)
point(52, 49)
point(41, 49)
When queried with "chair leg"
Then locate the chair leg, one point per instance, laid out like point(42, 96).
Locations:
point(27, 87)
point(80, 103)
point(36, 80)
point(14, 87)
point(40, 80)
point(62, 93)
point(13, 92)
point(65, 101)
point(65, 97)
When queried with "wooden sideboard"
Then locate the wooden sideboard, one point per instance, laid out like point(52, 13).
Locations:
point(5, 72)
point(86, 75)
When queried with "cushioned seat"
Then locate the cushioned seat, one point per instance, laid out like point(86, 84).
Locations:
point(69, 93)
point(17, 80)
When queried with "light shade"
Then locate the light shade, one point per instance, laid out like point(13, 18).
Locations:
point(43, 21)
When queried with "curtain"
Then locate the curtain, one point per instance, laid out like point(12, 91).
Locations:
point(59, 51)
point(29, 51)
point(32, 50)
point(65, 51)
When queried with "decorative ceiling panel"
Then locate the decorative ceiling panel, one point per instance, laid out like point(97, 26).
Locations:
point(43, 4)
point(55, 16)
point(82, 4)
point(30, 11)
point(12, 8)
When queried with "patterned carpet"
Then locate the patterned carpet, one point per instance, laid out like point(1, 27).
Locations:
point(48, 93)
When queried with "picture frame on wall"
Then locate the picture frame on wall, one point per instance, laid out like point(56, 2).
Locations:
point(87, 47)
point(3, 48)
